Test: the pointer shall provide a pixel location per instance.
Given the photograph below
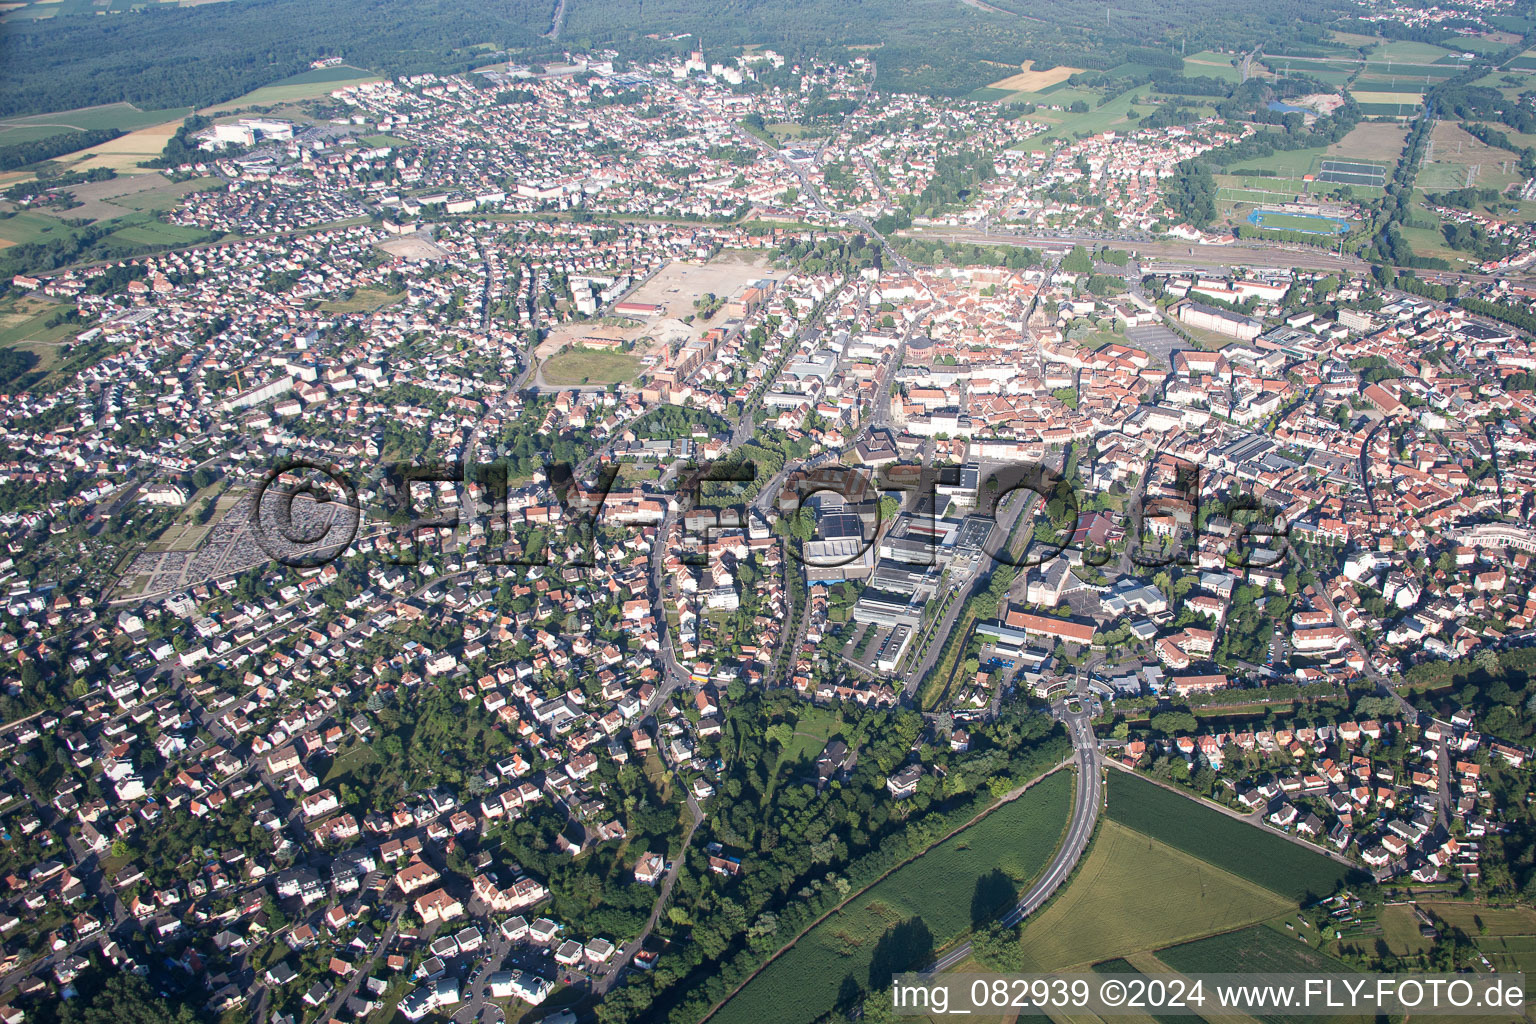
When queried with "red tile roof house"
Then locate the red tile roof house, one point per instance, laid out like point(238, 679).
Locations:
point(1050, 626)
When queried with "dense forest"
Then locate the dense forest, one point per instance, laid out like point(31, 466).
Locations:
point(195, 56)
point(943, 46)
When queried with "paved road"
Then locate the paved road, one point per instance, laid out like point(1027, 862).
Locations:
point(1085, 816)
point(1443, 761)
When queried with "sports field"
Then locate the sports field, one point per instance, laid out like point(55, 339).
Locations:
point(1312, 224)
point(1352, 172)
point(1455, 159)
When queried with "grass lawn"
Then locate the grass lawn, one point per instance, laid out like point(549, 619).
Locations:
point(1211, 341)
point(34, 329)
point(158, 233)
point(384, 140)
point(363, 300)
point(1243, 849)
point(1134, 893)
point(1372, 141)
point(918, 908)
point(812, 730)
point(1479, 45)
point(657, 772)
point(1291, 163)
point(1095, 340)
point(590, 366)
point(1400, 930)
point(1061, 96)
point(1456, 159)
point(788, 130)
point(1429, 242)
point(343, 766)
point(1354, 39)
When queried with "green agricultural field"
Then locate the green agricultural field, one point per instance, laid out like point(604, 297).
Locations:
point(1403, 69)
point(1525, 62)
point(1331, 72)
point(1210, 64)
point(1096, 120)
point(1243, 849)
point(1407, 50)
point(309, 85)
point(1120, 965)
point(123, 116)
point(31, 226)
point(1479, 45)
point(1409, 85)
point(590, 366)
point(932, 894)
point(1060, 95)
point(1256, 950)
point(1135, 893)
point(1505, 935)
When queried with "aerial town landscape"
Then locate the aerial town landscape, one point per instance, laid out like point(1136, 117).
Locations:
point(640, 512)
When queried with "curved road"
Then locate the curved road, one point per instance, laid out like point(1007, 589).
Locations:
point(1085, 814)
